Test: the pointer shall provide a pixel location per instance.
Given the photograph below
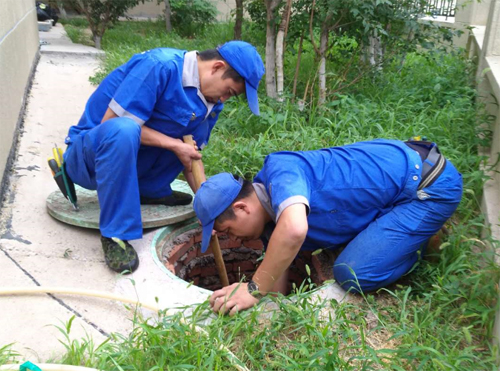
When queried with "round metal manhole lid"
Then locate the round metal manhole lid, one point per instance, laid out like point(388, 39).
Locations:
point(88, 214)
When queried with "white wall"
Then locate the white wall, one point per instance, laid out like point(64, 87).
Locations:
point(151, 9)
point(484, 46)
point(18, 54)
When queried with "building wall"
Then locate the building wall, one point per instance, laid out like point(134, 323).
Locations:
point(19, 47)
point(151, 9)
point(484, 47)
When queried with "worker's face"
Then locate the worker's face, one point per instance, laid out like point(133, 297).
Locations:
point(245, 226)
point(215, 88)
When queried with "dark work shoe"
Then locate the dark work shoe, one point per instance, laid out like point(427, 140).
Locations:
point(175, 199)
point(119, 258)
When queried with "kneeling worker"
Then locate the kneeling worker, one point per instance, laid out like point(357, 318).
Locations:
point(382, 200)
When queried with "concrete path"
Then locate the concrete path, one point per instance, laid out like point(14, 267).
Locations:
point(36, 250)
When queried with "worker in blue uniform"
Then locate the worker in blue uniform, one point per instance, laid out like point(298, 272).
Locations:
point(380, 201)
point(128, 143)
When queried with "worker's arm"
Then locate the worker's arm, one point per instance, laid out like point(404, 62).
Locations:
point(286, 240)
point(150, 137)
point(284, 245)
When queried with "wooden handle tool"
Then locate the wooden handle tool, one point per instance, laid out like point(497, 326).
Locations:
point(196, 168)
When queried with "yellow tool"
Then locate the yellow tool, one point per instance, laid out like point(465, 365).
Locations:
point(63, 181)
point(60, 152)
point(58, 155)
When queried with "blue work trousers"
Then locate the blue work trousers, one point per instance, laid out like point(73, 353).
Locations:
point(391, 245)
point(107, 158)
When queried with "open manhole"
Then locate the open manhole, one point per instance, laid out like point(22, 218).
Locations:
point(179, 250)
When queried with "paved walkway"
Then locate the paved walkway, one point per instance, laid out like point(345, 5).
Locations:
point(36, 250)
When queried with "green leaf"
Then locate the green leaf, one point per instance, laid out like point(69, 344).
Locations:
point(468, 336)
point(119, 242)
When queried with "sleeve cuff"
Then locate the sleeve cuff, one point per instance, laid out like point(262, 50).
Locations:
point(121, 112)
point(292, 201)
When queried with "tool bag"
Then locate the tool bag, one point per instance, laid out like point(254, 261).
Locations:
point(63, 181)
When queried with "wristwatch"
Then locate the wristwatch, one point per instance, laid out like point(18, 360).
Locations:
point(253, 289)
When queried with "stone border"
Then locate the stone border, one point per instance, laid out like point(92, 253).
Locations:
point(169, 233)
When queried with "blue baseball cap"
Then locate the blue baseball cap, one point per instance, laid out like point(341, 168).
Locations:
point(212, 199)
point(245, 59)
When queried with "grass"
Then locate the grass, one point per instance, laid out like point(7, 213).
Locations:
point(438, 317)
point(78, 31)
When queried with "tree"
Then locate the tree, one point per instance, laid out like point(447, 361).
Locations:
point(280, 41)
point(326, 27)
point(239, 20)
point(191, 17)
point(102, 14)
point(168, 16)
point(60, 6)
point(271, 6)
point(350, 38)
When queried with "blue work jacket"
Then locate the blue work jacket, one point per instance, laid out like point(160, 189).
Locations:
point(344, 188)
point(150, 90)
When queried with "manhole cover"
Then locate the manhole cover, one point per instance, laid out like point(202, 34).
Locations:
point(88, 214)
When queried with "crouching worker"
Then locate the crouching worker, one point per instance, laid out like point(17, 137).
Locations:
point(381, 200)
point(128, 144)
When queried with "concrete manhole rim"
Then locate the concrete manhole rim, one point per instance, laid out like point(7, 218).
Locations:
point(169, 233)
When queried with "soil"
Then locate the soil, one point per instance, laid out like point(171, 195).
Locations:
point(186, 236)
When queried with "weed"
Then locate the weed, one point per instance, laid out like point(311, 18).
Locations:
point(67, 253)
point(78, 352)
point(7, 355)
point(78, 30)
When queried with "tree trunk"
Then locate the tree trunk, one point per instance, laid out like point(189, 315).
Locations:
point(271, 48)
point(239, 20)
point(322, 65)
point(279, 63)
point(323, 48)
point(168, 16)
point(60, 6)
point(379, 53)
point(297, 66)
point(371, 50)
point(375, 53)
point(97, 41)
point(280, 38)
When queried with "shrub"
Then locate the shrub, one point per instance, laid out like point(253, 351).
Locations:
point(191, 17)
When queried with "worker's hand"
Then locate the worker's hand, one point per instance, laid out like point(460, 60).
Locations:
point(232, 299)
point(186, 153)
